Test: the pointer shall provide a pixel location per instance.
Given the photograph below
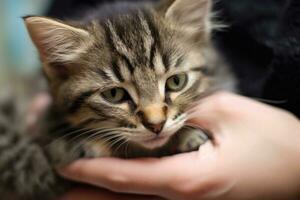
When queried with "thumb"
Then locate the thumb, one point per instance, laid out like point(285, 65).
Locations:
point(209, 113)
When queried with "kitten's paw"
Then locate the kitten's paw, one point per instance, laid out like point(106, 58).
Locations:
point(191, 140)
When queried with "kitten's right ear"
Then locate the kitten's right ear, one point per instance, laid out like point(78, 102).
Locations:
point(56, 41)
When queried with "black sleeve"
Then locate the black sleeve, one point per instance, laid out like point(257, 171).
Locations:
point(262, 44)
point(283, 82)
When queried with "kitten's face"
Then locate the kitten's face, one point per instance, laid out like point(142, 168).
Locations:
point(132, 76)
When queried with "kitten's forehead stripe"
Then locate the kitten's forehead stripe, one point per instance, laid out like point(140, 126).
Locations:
point(166, 61)
point(153, 29)
point(108, 37)
point(109, 31)
point(179, 61)
point(148, 38)
point(128, 63)
point(136, 41)
point(117, 40)
point(156, 44)
point(117, 71)
point(103, 74)
point(152, 55)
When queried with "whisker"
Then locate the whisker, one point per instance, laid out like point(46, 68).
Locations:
point(122, 140)
point(126, 148)
point(86, 132)
point(74, 129)
point(67, 135)
point(104, 133)
point(95, 136)
point(59, 130)
point(109, 135)
point(271, 101)
point(121, 144)
point(116, 141)
point(78, 147)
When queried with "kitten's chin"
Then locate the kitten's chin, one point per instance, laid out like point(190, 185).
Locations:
point(156, 142)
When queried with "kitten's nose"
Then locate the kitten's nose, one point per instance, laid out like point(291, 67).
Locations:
point(153, 117)
point(155, 128)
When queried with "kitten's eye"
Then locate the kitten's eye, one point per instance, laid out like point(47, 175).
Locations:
point(176, 82)
point(115, 95)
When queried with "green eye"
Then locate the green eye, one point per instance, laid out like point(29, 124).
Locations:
point(176, 82)
point(115, 95)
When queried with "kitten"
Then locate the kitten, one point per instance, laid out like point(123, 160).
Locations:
point(122, 84)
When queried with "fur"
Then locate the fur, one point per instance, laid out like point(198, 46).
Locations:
point(141, 54)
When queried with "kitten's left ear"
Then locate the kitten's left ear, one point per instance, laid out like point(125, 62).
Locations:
point(192, 15)
point(55, 40)
point(58, 43)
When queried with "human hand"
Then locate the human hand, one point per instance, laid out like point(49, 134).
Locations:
point(89, 193)
point(254, 154)
point(37, 107)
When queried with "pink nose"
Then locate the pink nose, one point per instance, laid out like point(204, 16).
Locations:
point(155, 128)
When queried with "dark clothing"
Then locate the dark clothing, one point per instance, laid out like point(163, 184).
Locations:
point(262, 44)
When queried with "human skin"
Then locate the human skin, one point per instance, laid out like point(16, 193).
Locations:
point(36, 109)
point(254, 154)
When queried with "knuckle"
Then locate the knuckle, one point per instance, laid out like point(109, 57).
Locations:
point(117, 182)
point(194, 189)
point(223, 102)
point(187, 191)
point(184, 188)
point(219, 184)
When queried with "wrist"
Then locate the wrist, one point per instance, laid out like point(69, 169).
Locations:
point(296, 162)
point(298, 158)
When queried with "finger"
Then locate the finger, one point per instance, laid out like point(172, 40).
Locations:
point(216, 110)
point(223, 107)
point(141, 176)
point(210, 113)
point(96, 194)
point(37, 107)
point(40, 103)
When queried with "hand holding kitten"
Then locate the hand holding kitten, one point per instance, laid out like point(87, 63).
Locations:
point(249, 157)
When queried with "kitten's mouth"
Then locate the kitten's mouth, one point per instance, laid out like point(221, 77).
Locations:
point(156, 142)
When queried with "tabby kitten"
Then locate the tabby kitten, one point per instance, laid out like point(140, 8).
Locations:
point(122, 82)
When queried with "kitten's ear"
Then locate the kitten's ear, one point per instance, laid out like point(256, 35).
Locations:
point(192, 15)
point(55, 40)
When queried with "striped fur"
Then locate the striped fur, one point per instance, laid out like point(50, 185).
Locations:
point(138, 50)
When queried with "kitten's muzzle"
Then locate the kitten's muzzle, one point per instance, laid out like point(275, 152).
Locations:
point(155, 128)
point(153, 117)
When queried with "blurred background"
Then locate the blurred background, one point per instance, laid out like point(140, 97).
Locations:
point(17, 54)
